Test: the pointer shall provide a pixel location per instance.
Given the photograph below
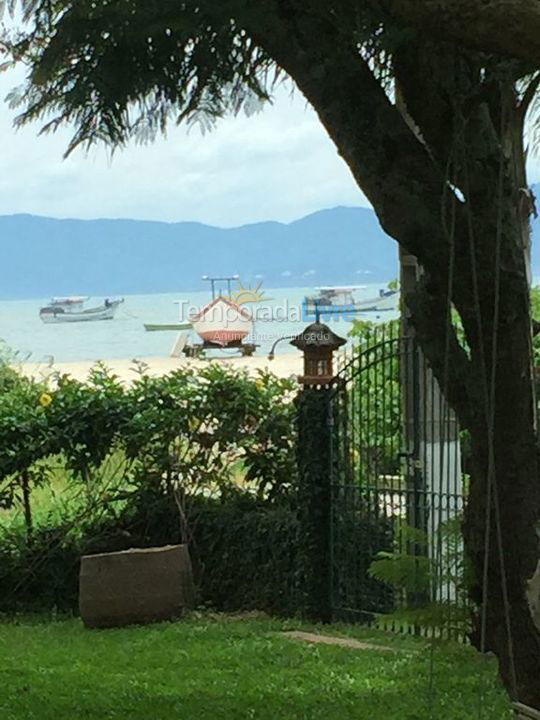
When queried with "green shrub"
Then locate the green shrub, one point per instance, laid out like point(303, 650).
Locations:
point(134, 461)
point(189, 431)
point(41, 575)
point(245, 552)
point(206, 457)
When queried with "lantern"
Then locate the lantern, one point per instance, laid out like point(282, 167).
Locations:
point(318, 344)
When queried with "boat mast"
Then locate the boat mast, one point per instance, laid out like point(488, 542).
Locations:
point(214, 280)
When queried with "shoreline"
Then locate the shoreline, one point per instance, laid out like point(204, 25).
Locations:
point(283, 365)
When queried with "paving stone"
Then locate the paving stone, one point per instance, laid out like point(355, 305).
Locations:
point(333, 640)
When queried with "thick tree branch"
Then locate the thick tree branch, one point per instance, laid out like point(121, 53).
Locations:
point(503, 27)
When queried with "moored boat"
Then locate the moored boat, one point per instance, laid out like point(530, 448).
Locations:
point(161, 327)
point(222, 322)
point(71, 309)
point(386, 301)
point(333, 302)
point(330, 301)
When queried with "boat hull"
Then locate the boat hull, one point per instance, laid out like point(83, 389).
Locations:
point(222, 323)
point(223, 337)
point(311, 307)
point(162, 327)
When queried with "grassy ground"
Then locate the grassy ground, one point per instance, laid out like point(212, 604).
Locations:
point(60, 496)
point(219, 668)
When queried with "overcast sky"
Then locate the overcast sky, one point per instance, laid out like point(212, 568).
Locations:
point(276, 165)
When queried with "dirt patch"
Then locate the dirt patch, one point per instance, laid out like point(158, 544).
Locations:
point(332, 640)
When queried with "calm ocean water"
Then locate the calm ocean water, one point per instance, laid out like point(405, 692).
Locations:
point(125, 336)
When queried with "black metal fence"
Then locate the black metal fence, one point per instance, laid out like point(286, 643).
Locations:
point(395, 470)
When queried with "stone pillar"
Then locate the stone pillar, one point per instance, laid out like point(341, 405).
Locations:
point(315, 502)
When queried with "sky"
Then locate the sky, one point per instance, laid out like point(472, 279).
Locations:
point(278, 164)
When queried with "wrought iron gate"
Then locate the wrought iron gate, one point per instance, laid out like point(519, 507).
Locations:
point(396, 482)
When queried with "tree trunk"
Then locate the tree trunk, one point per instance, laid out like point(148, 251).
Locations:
point(505, 491)
point(489, 286)
point(27, 507)
point(499, 414)
point(509, 631)
point(446, 186)
point(513, 549)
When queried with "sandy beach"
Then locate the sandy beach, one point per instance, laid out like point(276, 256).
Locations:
point(284, 365)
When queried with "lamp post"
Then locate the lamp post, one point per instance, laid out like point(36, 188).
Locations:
point(318, 343)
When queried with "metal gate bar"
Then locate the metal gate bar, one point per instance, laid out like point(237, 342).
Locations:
point(396, 487)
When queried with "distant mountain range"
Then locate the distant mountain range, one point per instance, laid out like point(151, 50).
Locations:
point(44, 256)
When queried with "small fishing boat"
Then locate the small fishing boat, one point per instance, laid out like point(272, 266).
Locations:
point(71, 309)
point(222, 323)
point(336, 301)
point(161, 327)
point(386, 301)
point(330, 301)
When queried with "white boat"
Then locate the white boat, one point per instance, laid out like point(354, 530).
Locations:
point(386, 301)
point(340, 301)
point(71, 309)
point(222, 322)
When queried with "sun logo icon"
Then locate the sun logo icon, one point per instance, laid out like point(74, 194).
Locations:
point(248, 294)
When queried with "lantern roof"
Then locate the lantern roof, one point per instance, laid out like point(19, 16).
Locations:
point(318, 335)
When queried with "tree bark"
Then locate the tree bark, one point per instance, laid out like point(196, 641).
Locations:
point(505, 27)
point(27, 506)
point(491, 291)
point(447, 191)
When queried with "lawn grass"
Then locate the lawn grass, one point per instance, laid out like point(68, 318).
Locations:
point(61, 496)
point(214, 668)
